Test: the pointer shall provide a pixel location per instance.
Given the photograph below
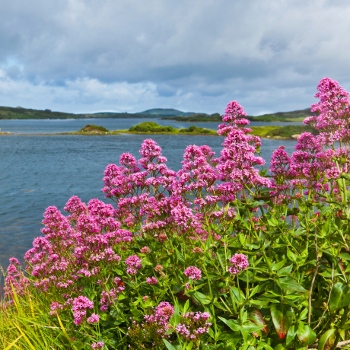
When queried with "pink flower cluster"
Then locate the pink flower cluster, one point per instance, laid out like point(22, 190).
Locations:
point(193, 273)
point(239, 263)
point(15, 279)
point(333, 108)
point(133, 263)
point(96, 241)
point(316, 161)
point(97, 345)
point(151, 280)
point(80, 305)
point(151, 197)
point(193, 325)
point(161, 317)
point(110, 296)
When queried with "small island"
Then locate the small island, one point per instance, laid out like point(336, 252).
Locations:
point(287, 132)
point(144, 128)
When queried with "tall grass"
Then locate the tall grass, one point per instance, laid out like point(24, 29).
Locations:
point(25, 323)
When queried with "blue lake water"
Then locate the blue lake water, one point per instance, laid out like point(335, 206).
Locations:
point(38, 169)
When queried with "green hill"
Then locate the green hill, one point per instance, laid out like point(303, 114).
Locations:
point(165, 112)
point(293, 116)
point(26, 113)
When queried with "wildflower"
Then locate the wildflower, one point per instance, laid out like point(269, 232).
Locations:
point(15, 279)
point(193, 273)
point(161, 315)
point(145, 250)
point(133, 263)
point(80, 305)
point(193, 325)
point(55, 306)
point(94, 318)
point(98, 345)
point(239, 263)
point(197, 250)
point(158, 268)
point(151, 280)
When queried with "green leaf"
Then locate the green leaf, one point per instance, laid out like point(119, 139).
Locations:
point(201, 298)
point(231, 323)
point(279, 347)
point(277, 266)
point(236, 295)
point(340, 296)
point(273, 222)
point(175, 318)
point(303, 314)
point(290, 335)
point(168, 345)
point(255, 290)
point(291, 256)
point(189, 346)
point(282, 318)
point(344, 256)
point(256, 317)
point(186, 306)
point(285, 271)
point(265, 346)
point(327, 339)
point(305, 334)
point(290, 284)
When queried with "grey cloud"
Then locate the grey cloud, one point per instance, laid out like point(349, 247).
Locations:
point(194, 53)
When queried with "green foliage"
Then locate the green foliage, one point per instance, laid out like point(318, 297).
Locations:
point(26, 324)
point(290, 130)
point(293, 116)
point(151, 127)
point(196, 130)
point(93, 129)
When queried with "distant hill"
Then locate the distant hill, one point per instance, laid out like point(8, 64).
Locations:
point(26, 113)
point(197, 117)
point(293, 116)
point(165, 112)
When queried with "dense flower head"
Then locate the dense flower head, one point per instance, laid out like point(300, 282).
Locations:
point(56, 224)
point(80, 305)
point(239, 263)
point(129, 161)
point(94, 318)
point(193, 325)
point(97, 345)
point(280, 162)
point(134, 263)
point(150, 149)
point(145, 250)
point(333, 108)
point(193, 273)
point(161, 315)
point(15, 280)
point(75, 207)
point(151, 280)
point(233, 111)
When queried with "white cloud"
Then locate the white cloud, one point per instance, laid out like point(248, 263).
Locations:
point(197, 55)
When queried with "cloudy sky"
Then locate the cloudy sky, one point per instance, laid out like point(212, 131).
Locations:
point(193, 55)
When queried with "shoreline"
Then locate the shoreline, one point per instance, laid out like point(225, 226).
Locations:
point(125, 132)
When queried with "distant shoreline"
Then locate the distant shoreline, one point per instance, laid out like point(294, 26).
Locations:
point(126, 132)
